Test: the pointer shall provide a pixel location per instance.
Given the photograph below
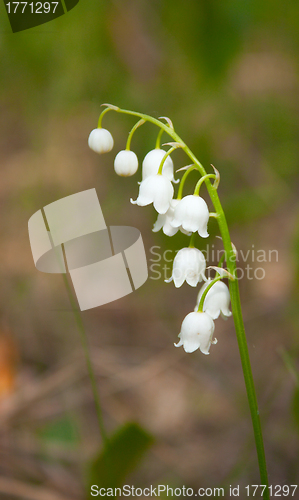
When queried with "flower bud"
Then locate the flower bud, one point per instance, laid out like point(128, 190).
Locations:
point(126, 163)
point(100, 140)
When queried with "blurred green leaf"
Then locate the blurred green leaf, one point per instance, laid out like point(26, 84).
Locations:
point(62, 431)
point(119, 457)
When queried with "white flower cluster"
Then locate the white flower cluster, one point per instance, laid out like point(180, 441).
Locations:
point(189, 214)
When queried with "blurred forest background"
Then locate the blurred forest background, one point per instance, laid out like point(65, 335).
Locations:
point(227, 74)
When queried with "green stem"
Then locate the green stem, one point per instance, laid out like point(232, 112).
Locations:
point(203, 179)
point(235, 297)
point(136, 126)
point(158, 141)
point(192, 239)
point(63, 266)
point(221, 260)
point(171, 150)
point(183, 180)
point(102, 115)
point(91, 373)
point(205, 292)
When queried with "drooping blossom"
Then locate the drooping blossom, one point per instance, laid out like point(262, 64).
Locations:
point(100, 140)
point(192, 214)
point(196, 332)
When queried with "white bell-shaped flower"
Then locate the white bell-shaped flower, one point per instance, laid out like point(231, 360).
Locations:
point(155, 189)
point(100, 140)
point(197, 332)
point(189, 264)
point(164, 221)
point(152, 161)
point(217, 300)
point(192, 214)
point(126, 163)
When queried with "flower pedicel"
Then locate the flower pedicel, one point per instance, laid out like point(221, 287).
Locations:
point(152, 161)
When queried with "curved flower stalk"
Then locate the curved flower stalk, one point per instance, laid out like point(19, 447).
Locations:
point(191, 214)
point(217, 300)
point(152, 161)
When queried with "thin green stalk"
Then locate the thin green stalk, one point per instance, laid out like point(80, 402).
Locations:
point(235, 296)
point(91, 373)
point(205, 292)
point(102, 116)
point(192, 239)
point(136, 126)
point(82, 333)
point(183, 180)
point(158, 141)
point(221, 260)
point(171, 150)
point(203, 179)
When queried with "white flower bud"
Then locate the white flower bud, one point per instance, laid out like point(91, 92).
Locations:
point(100, 140)
point(196, 332)
point(126, 163)
point(155, 189)
point(189, 264)
point(192, 214)
point(216, 301)
point(152, 161)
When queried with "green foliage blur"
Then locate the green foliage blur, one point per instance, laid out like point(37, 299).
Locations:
point(226, 73)
point(119, 457)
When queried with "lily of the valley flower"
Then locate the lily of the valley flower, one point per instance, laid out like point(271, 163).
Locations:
point(189, 264)
point(192, 214)
point(217, 300)
point(126, 163)
point(100, 140)
point(164, 221)
point(155, 189)
point(196, 332)
point(152, 161)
